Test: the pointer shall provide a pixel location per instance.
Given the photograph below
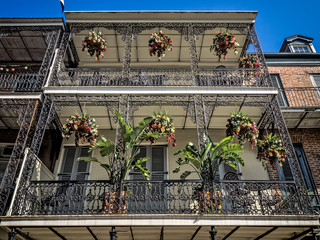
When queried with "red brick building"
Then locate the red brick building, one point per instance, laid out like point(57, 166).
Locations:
point(295, 70)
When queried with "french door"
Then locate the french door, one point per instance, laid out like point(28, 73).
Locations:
point(71, 192)
point(151, 195)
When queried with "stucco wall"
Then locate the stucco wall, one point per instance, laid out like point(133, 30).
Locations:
point(252, 170)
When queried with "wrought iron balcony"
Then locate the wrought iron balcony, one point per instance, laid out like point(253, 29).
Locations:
point(23, 81)
point(160, 77)
point(300, 97)
point(160, 197)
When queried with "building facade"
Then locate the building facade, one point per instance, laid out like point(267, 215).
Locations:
point(295, 71)
point(46, 77)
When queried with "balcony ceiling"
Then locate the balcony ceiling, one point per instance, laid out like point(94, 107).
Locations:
point(169, 233)
point(179, 57)
point(301, 118)
point(25, 47)
point(140, 57)
point(182, 120)
point(164, 16)
point(8, 119)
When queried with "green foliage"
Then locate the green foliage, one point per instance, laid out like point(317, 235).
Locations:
point(205, 163)
point(132, 138)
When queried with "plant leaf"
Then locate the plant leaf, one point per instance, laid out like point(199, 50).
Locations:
point(88, 159)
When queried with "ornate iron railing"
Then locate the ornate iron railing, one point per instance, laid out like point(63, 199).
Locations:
point(315, 203)
point(160, 197)
point(19, 81)
point(159, 77)
point(300, 97)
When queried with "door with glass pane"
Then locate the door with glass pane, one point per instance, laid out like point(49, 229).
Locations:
point(71, 192)
point(150, 196)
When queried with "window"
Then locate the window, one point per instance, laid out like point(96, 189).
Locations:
point(276, 82)
point(156, 163)
point(315, 78)
point(301, 49)
point(227, 172)
point(71, 168)
point(286, 174)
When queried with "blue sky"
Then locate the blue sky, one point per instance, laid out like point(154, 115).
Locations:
point(276, 19)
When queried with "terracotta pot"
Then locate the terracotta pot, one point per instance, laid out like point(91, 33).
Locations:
point(115, 202)
point(208, 200)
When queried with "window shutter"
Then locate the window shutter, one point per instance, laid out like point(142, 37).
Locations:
point(158, 163)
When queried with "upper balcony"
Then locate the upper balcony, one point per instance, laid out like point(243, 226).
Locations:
point(127, 61)
point(26, 51)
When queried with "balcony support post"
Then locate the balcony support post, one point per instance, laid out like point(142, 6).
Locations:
point(123, 109)
point(113, 233)
point(27, 119)
point(265, 76)
point(126, 64)
point(291, 155)
point(191, 38)
point(213, 233)
point(12, 234)
point(52, 39)
point(46, 115)
point(200, 119)
point(58, 59)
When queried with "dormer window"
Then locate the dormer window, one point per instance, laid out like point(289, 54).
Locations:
point(298, 44)
point(301, 49)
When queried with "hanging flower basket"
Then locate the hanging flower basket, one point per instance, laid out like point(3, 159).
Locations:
point(84, 127)
point(222, 42)
point(95, 43)
point(159, 43)
point(243, 127)
point(271, 151)
point(164, 126)
point(250, 61)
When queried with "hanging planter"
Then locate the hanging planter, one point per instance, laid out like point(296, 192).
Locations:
point(95, 43)
point(271, 151)
point(250, 61)
point(84, 127)
point(163, 126)
point(243, 127)
point(222, 43)
point(159, 43)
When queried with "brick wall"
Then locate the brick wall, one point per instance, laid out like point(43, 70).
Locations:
point(310, 140)
point(298, 76)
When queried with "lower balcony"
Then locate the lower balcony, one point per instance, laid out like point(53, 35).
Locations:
point(225, 197)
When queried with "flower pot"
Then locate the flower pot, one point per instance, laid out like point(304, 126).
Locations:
point(115, 202)
point(95, 45)
point(80, 128)
point(209, 201)
point(244, 129)
point(222, 45)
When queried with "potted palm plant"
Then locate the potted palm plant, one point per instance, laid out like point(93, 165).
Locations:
point(132, 138)
point(205, 163)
